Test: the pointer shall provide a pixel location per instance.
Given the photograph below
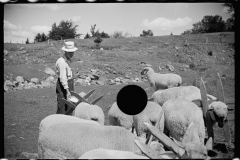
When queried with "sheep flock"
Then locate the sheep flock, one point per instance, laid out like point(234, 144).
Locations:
point(83, 134)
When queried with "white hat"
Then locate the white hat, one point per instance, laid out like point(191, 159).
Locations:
point(69, 47)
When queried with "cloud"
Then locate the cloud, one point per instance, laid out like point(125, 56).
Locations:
point(21, 34)
point(41, 29)
point(75, 18)
point(166, 24)
point(53, 7)
point(9, 26)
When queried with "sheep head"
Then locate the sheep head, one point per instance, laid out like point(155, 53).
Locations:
point(192, 145)
point(146, 70)
point(220, 111)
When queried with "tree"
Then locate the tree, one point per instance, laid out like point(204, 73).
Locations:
point(229, 25)
point(189, 31)
point(38, 37)
point(43, 37)
point(231, 8)
point(146, 33)
point(213, 24)
point(171, 34)
point(92, 30)
point(27, 41)
point(87, 36)
point(65, 30)
point(104, 35)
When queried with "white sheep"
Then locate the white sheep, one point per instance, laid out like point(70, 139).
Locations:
point(161, 81)
point(118, 118)
point(178, 114)
point(102, 153)
point(70, 141)
point(61, 119)
point(190, 93)
point(150, 114)
point(184, 120)
point(89, 112)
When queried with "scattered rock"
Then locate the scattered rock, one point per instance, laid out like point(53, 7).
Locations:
point(100, 82)
point(35, 80)
point(79, 82)
point(19, 79)
point(82, 94)
point(186, 66)
point(49, 71)
point(170, 67)
point(5, 52)
point(46, 84)
point(11, 136)
point(117, 80)
point(50, 79)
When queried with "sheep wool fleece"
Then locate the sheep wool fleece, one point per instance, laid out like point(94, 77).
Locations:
point(89, 112)
point(178, 114)
point(72, 140)
point(118, 118)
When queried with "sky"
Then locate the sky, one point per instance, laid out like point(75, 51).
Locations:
point(22, 21)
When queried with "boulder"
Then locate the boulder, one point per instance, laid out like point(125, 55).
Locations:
point(46, 84)
point(49, 71)
point(50, 79)
point(35, 80)
point(20, 79)
point(117, 80)
point(100, 82)
point(79, 82)
point(82, 94)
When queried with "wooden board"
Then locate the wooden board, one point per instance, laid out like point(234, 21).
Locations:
point(204, 98)
point(220, 91)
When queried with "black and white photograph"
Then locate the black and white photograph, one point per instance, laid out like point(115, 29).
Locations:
point(118, 80)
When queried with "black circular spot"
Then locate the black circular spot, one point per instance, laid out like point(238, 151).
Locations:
point(132, 99)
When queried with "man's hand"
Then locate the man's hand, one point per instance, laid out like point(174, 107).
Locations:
point(68, 94)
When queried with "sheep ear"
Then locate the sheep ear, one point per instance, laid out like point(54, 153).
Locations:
point(178, 143)
point(209, 144)
point(187, 133)
point(210, 107)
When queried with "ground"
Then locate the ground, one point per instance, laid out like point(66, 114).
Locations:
point(24, 109)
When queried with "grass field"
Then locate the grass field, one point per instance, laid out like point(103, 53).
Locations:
point(24, 109)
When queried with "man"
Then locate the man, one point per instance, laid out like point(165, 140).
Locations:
point(65, 76)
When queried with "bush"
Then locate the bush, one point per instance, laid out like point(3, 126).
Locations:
point(210, 53)
point(97, 41)
point(192, 66)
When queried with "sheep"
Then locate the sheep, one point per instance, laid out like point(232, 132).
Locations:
point(118, 118)
point(149, 114)
point(190, 93)
point(68, 141)
point(89, 112)
point(102, 153)
point(178, 114)
point(61, 119)
point(161, 81)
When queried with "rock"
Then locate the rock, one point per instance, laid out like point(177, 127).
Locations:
point(35, 80)
point(186, 66)
point(46, 84)
point(7, 87)
point(137, 79)
point(118, 83)
point(111, 82)
point(82, 94)
point(5, 52)
point(134, 81)
point(49, 71)
point(79, 81)
point(170, 67)
point(127, 77)
point(50, 79)
point(20, 79)
point(117, 80)
point(100, 82)
point(32, 85)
